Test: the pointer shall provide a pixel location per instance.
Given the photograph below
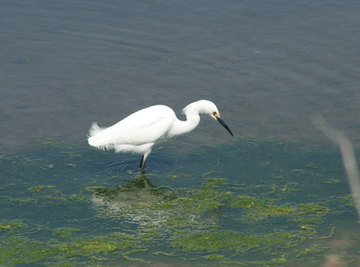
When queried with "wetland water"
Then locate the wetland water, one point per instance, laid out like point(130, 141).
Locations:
point(277, 198)
point(280, 205)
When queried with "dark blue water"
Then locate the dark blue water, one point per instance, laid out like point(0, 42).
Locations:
point(269, 65)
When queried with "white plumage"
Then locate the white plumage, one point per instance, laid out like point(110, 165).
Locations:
point(138, 132)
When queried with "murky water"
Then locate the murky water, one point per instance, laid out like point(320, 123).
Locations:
point(268, 65)
point(248, 203)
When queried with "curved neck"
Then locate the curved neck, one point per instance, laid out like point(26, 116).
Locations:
point(181, 127)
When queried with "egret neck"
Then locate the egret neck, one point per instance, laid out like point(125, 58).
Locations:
point(182, 127)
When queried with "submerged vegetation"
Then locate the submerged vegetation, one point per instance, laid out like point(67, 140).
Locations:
point(281, 205)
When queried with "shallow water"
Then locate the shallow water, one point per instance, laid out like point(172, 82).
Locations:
point(247, 203)
point(268, 65)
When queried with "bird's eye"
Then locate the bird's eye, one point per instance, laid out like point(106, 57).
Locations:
point(215, 113)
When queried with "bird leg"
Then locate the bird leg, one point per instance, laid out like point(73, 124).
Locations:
point(143, 162)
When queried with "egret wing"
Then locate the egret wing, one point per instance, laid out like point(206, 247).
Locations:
point(142, 127)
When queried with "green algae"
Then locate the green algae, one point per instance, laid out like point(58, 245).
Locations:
point(191, 220)
point(214, 257)
point(258, 209)
point(278, 214)
point(65, 232)
point(315, 249)
point(87, 247)
point(19, 250)
point(202, 204)
point(229, 241)
point(12, 225)
point(42, 188)
point(46, 193)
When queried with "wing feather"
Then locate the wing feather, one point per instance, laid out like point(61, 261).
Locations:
point(144, 126)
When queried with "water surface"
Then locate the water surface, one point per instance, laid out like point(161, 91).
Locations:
point(248, 203)
point(269, 65)
point(275, 195)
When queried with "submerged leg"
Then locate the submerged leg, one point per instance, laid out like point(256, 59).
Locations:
point(143, 161)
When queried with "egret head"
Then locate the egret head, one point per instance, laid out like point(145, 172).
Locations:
point(216, 116)
point(207, 107)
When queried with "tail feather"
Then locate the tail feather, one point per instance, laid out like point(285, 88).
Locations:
point(94, 139)
point(94, 129)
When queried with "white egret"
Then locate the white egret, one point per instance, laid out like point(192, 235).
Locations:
point(138, 132)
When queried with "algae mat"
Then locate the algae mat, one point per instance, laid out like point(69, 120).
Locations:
point(248, 203)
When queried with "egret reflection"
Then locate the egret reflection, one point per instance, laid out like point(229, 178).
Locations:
point(135, 202)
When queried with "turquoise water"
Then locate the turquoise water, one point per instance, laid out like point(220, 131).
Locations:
point(247, 203)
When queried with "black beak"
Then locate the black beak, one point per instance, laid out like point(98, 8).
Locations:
point(222, 122)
